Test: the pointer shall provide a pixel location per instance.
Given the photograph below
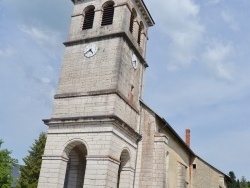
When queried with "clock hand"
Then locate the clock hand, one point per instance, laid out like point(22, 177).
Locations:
point(90, 50)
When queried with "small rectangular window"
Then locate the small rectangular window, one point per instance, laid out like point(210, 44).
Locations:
point(194, 166)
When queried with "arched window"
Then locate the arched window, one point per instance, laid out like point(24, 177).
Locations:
point(132, 18)
point(76, 166)
point(108, 13)
point(123, 178)
point(141, 27)
point(88, 18)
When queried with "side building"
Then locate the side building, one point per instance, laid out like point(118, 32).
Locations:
point(165, 160)
point(101, 133)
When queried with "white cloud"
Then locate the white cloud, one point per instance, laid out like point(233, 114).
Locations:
point(216, 57)
point(6, 52)
point(184, 45)
point(45, 80)
point(44, 37)
point(229, 18)
point(213, 2)
point(35, 32)
point(180, 23)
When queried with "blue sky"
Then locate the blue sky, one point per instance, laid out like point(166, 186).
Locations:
point(198, 56)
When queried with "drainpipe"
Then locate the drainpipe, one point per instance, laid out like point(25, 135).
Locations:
point(140, 116)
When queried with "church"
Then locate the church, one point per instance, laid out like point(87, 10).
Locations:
point(101, 133)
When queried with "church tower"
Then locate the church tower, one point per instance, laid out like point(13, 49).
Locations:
point(94, 129)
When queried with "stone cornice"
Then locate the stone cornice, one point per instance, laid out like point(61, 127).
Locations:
point(142, 7)
point(115, 120)
point(103, 158)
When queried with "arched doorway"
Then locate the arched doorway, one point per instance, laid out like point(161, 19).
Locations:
point(124, 170)
point(76, 165)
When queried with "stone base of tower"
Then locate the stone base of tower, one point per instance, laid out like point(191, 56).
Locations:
point(101, 171)
point(50, 174)
point(88, 154)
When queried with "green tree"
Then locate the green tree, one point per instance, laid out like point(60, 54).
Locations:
point(235, 183)
point(232, 177)
point(31, 170)
point(243, 182)
point(6, 165)
point(238, 183)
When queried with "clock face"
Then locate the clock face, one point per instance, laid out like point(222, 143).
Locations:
point(134, 61)
point(90, 50)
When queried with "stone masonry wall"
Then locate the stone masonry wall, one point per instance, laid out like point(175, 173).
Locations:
point(104, 143)
point(80, 74)
point(152, 163)
point(158, 161)
point(129, 79)
point(178, 156)
point(205, 176)
point(100, 105)
point(84, 106)
point(146, 165)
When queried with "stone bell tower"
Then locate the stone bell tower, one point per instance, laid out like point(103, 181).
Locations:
point(94, 129)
